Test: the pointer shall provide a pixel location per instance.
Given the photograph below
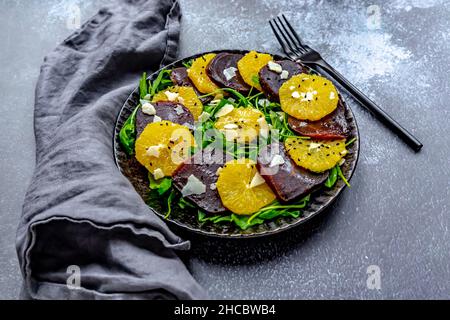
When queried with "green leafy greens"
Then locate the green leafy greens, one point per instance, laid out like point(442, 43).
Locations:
point(143, 86)
point(332, 177)
point(270, 212)
point(127, 134)
point(147, 90)
point(161, 186)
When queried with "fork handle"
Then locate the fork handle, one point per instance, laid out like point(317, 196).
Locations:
point(385, 118)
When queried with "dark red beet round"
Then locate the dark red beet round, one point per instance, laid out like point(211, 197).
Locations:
point(332, 126)
point(222, 61)
point(271, 81)
point(180, 78)
point(287, 180)
point(203, 165)
point(166, 110)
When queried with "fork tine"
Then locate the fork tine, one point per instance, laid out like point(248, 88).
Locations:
point(282, 43)
point(289, 43)
point(296, 47)
point(294, 33)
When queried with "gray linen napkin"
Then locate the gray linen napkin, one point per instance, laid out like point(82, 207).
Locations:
point(79, 211)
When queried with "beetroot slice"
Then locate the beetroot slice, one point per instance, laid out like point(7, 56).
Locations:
point(203, 165)
point(271, 81)
point(166, 110)
point(332, 126)
point(180, 78)
point(219, 63)
point(287, 180)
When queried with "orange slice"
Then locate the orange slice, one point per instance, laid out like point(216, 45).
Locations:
point(234, 187)
point(250, 65)
point(315, 155)
point(163, 146)
point(308, 97)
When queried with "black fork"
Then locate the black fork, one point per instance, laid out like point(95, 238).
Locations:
point(298, 51)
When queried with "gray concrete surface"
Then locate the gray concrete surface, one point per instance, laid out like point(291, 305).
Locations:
point(395, 216)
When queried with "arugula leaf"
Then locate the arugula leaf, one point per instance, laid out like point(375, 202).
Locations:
point(272, 214)
point(169, 203)
point(279, 122)
point(164, 186)
point(332, 177)
point(334, 174)
point(161, 186)
point(350, 142)
point(242, 100)
point(143, 86)
point(218, 219)
point(161, 82)
point(341, 175)
point(273, 210)
point(254, 97)
point(188, 64)
point(127, 134)
point(202, 217)
point(183, 204)
point(255, 79)
point(244, 222)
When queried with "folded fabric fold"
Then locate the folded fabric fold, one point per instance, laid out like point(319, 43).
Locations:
point(79, 209)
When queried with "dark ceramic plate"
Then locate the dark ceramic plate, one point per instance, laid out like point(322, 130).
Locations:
point(183, 218)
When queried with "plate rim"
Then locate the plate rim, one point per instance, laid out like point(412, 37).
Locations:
point(298, 221)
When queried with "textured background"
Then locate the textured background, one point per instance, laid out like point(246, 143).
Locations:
point(395, 216)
